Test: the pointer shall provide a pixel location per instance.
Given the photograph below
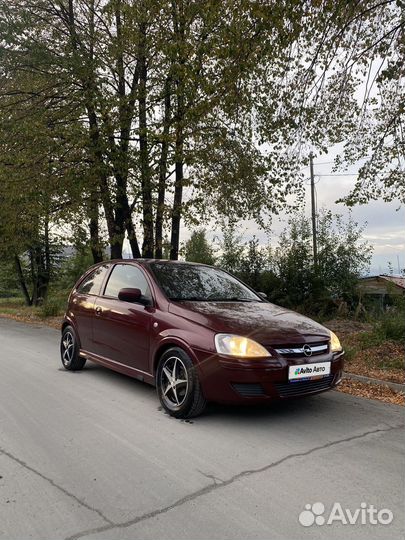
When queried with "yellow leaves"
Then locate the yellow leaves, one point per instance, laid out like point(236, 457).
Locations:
point(372, 391)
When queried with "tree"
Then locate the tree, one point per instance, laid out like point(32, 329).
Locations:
point(157, 85)
point(231, 248)
point(82, 62)
point(293, 263)
point(351, 81)
point(36, 171)
point(253, 264)
point(342, 258)
point(198, 249)
point(192, 111)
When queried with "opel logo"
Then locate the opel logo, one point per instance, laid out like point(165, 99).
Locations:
point(307, 350)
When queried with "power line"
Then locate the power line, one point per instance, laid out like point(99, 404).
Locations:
point(338, 174)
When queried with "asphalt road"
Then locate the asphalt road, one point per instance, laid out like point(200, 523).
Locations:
point(90, 455)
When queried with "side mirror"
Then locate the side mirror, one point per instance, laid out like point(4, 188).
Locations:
point(134, 296)
point(262, 295)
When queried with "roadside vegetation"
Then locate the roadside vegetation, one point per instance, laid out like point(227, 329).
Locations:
point(121, 121)
point(378, 351)
point(374, 349)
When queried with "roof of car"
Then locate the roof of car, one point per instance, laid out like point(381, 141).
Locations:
point(150, 261)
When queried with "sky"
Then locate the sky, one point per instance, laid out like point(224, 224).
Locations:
point(384, 222)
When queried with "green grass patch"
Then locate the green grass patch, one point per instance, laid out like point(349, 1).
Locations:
point(393, 362)
point(13, 302)
point(53, 307)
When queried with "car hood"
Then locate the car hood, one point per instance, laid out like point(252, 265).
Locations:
point(262, 321)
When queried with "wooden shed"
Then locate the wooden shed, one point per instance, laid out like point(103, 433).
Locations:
point(381, 290)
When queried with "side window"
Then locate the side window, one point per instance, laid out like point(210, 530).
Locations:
point(126, 276)
point(92, 283)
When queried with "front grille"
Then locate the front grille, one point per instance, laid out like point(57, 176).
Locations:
point(298, 350)
point(300, 388)
point(249, 389)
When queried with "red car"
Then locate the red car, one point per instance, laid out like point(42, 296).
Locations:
point(196, 332)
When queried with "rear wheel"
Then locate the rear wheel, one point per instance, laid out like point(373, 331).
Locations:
point(69, 350)
point(178, 386)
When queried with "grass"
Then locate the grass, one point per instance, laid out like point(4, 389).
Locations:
point(15, 306)
point(50, 312)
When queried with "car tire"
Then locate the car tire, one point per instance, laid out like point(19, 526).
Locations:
point(70, 349)
point(178, 385)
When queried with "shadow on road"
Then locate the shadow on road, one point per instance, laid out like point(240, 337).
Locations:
point(297, 409)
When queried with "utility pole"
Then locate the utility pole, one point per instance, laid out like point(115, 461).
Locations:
point(313, 209)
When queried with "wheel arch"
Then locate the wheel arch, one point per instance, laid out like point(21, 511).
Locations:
point(166, 345)
point(67, 322)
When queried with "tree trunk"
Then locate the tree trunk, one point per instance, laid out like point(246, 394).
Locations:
point(163, 174)
point(177, 202)
point(133, 242)
point(40, 273)
point(34, 273)
point(44, 267)
point(21, 281)
point(179, 26)
point(95, 244)
point(147, 203)
point(178, 185)
point(115, 225)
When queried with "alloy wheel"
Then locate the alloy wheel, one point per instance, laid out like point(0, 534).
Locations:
point(174, 382)
point(68, 345)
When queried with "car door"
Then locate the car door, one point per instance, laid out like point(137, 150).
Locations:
point(81, 306)
point(121, 329)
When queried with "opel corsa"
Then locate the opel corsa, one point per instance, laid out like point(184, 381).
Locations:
point(197, 333)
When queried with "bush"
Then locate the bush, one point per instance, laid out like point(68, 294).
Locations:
point(392, 326)
point(52, 308)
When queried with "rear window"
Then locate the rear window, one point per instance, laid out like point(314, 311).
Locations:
point(92, 283)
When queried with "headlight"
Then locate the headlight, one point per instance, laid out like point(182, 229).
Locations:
point(335, 345)
point(240, 346)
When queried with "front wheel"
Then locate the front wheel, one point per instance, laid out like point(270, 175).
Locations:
point(69, 350)
point(178, 386)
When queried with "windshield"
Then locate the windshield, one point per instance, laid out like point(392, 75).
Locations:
point(200, 283)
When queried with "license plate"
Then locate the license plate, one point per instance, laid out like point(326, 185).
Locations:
point(309, 371)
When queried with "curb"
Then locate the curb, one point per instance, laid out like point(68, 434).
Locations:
point(397, 387)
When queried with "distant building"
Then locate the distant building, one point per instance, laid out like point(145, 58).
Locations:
point(381, 290)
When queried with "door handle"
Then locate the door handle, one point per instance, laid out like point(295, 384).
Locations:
point(99, 310)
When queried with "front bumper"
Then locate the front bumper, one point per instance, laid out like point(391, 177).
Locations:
point(226, 380)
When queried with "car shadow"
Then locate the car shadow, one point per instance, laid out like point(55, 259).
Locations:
point(295, 408)
point(121, 381)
